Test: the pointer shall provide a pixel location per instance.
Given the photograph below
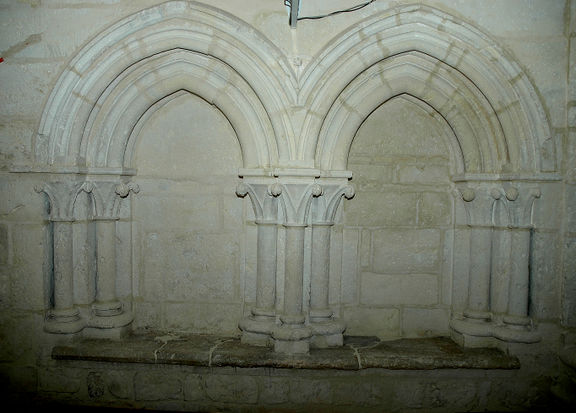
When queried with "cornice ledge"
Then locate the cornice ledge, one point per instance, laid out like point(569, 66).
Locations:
point(72, 170)
point(293, 173)
point(507, 177)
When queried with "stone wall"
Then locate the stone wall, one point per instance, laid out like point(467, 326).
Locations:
point(402, 171)
point(399, 223)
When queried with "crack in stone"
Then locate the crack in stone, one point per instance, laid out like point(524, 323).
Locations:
point(213, 349)
point(164, 339)
point(357, 355)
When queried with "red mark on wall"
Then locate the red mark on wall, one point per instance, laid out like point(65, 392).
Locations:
point(1, 59)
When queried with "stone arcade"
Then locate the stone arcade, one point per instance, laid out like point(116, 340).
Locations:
point(215, 212)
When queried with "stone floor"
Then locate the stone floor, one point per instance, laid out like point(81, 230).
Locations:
point(357, 353)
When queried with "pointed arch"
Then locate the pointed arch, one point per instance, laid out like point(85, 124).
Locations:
point(116, 113)
point(215, 39)
point(453, 96)
point(463, 51)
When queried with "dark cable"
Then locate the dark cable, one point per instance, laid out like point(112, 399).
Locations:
point(354, 8)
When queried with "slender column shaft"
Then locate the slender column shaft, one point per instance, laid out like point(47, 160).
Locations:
point(63, 266)
point(106, 270)
point(519, 276)
point(480, 268)
point(293, 277)
point(109, 318)
point(266, 268)
point(319, 282)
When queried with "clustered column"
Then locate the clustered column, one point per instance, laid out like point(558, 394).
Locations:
point(292, 331)
point(107, 312)
point(480, 321)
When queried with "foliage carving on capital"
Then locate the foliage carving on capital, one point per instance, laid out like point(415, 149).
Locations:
point(479, 204)
point(62, 196)
point(500, 203)
point(263, 198)
point(325, 206)
point(108, 196)
point(124, 189)
point(520, 205)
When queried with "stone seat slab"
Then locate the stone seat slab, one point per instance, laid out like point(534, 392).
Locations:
point(357, 353)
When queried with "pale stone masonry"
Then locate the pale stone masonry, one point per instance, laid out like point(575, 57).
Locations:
point(272, 191)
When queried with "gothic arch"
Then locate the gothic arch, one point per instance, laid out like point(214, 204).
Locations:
point(177, 30)
point(481, 142)
point(502, 87)
point(115, 115)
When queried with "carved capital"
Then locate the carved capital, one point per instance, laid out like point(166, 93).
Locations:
point(326, 205)
point(520, 204)
point(62, 196)
point(263, 198)
point(479, 203)
point(108, 196)
point(296, 199)
point(124, 189)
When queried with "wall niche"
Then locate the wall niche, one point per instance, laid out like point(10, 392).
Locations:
point(188, 223)
point(402, 218)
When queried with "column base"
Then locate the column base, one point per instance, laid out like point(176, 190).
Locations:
point(257, 332)
point(477, 315)
point(115, 333)
point(107, 309)
point(327, 333)
point(517, 334)
point(472, 332)
point(517, 320)
point(67, 321)
point(122, 319)
point(290, 339)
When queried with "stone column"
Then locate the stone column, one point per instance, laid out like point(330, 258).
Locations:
point(293, 336)
point(106, 303)
point(327, 331)
point(480, 269)
point(293, 278)
point(64, 316)
point(475, 327)
point(258, 327)
point(319, 279)
point(291, 193)
point(517, 325)
point(109, 318)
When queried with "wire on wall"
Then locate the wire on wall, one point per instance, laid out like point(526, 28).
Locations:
point(351, 9)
